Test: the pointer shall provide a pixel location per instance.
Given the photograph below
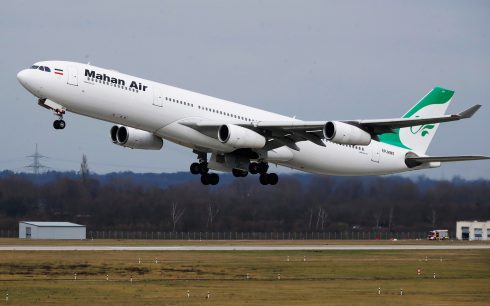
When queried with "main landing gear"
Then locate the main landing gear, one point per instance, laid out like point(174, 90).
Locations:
point(60, 123)
point(202, 169)
point(265, 178)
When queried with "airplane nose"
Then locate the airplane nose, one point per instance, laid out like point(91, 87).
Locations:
point(21, 76)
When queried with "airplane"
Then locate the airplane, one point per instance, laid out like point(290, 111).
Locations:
point(231, 137)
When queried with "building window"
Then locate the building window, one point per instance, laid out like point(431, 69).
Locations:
point(478, 233)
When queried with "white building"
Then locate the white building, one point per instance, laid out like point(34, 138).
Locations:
point(51, 230)
point(473, 230)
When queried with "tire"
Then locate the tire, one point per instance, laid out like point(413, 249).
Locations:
point(213, 178)
point(262, 168)
point(56, 124)
point(236, 172)
point(273, 178)
point(203, 168)
point(61, 124)
point(264, 179)
point(194, 168)
point(204, 179)
point(253, 168)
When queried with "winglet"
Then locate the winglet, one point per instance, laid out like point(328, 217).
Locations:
point(469, 112)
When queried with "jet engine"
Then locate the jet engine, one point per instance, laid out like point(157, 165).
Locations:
point(343, 133)
point(239, 137)
point(135, 139)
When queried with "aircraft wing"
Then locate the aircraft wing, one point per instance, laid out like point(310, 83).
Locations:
point(280, 133)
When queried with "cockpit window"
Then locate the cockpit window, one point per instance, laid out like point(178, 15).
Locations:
point(34, 67)
point(47, 69)
point(41, 68)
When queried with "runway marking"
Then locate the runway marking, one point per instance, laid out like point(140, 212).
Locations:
point(245, 248)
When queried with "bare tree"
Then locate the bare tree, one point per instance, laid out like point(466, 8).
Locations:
point(84, 168)
point(433, 218)
point(176, 214)
point(212, 213)
point(377, 218)
point(390, 219)
point(321, 218)
point(310, 220)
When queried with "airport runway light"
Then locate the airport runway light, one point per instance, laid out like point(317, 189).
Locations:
point(379, 290)
point(278, 276)
point(131, 279)
point(287, 259)
point(75, 276)
point(139, 260)
point(401, 291)
point(208, 295)
point(7, 298)
point(418, 271)
point(156, 260)
point(426, 258)
point(107, 277)
point(248, 276)
point(188, 293)
point(434, 275)
point(304, 258)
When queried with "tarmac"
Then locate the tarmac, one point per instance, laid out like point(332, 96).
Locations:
point(243, 248)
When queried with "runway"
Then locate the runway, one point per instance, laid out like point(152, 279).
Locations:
point(244, 248)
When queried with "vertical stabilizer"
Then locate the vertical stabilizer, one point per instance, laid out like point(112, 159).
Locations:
point(418, 138)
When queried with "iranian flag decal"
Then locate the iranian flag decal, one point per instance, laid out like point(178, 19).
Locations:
point(58, 71)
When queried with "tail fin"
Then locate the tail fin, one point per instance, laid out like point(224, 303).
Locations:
point(418, 138)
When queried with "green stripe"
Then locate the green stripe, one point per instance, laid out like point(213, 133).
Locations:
point(437, 95)
point(58, 69)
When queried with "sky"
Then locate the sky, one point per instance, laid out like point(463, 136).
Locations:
point(316, 60)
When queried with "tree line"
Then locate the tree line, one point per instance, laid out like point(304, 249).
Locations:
point(297, 203)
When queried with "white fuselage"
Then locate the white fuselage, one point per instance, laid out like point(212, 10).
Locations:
point(158, 108)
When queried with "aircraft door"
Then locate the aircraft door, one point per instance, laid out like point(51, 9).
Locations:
point(375, 154)
point(72, 76)
point(157, 97)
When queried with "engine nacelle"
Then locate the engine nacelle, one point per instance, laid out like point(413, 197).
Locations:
point(239, 137)
point(343, 133)
point(135, 139)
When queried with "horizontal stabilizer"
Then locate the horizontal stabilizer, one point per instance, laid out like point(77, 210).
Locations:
point(444, 159)
point(419, 160)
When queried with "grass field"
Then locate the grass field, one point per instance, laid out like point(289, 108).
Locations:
point(325, 278)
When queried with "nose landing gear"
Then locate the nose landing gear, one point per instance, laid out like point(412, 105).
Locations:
point(60, 123)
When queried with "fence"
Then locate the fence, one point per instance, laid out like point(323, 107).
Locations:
point(349, 235)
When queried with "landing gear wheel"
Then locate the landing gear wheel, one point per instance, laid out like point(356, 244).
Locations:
point(210, 179)
point(253, 168)
point(204, 179)
point(195, 168)
point(264, 179)
point(262, 168)
point(239, 172)
point(59, 124)
point(213, 178)
point(203, 168)
point(272, 178)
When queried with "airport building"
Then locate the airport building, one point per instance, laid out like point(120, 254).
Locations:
point(473, 230)
point(51, 230)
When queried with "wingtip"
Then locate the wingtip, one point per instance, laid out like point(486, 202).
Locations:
point(470, 111)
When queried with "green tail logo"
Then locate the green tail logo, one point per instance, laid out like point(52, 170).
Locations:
point(424, 128)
